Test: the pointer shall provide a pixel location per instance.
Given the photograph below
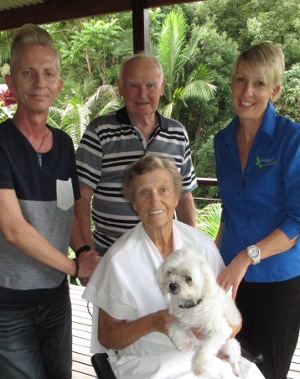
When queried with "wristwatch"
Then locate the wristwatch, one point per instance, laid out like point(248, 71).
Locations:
point(253, 252)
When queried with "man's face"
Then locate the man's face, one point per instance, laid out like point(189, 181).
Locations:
point(35, 78)
point(141, 87)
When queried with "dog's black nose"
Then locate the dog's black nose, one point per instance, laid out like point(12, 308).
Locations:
point(174, 288)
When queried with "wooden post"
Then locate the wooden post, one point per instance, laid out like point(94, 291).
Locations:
point(140, 26)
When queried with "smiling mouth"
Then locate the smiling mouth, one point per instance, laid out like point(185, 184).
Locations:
point(156, 212)
point(142, 102)
point(246, 103)
point(39, 96)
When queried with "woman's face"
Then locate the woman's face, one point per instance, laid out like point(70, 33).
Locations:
point(155, 199)
point(250, 94)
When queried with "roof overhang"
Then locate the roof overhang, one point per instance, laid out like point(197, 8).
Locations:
point(14, 13)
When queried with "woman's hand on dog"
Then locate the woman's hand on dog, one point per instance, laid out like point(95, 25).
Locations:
point(235, 329)
point(199, 335)
point(233, 274)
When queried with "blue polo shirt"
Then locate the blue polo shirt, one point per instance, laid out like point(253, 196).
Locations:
point(263, 197)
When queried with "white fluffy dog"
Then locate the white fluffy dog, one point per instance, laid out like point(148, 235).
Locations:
point(198, 302)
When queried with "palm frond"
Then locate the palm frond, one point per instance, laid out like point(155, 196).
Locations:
point(107, 90)
point(54, 117)
point(190, 47)
point(124, 46)
point(110, 107)
point(75, 118)
point(171, 43)
point(199, 89)
point(167, 110)
point(198, 85)
point(208, 219)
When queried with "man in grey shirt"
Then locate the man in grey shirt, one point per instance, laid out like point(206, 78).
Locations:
point(113, 141)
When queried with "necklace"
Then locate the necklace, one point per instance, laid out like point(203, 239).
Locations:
point(38, 153)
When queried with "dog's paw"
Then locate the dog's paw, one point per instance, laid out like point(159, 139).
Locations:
point(181, 343)
point(232, 350)
point(199, 367)
point(180, 338)
point(198, 371)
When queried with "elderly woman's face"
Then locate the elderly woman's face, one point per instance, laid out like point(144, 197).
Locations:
point(250, 94)
point(155, 198)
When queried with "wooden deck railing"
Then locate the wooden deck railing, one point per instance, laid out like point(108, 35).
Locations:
point(207, 182)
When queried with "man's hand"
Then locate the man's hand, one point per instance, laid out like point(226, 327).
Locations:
point(88, 261)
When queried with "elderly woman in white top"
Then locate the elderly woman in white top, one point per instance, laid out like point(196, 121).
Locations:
point(133, 318)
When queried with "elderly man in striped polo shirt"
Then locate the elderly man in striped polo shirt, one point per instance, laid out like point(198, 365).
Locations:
point(113, 141)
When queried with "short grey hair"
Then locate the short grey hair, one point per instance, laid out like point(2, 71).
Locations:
point(30, 34)
point(146, 164)
point(141, 55)
point(266, 59)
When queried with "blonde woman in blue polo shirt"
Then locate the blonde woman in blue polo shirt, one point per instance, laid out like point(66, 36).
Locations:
point(257, 162)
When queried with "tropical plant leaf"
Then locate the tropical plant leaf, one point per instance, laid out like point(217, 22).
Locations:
point(208, 219)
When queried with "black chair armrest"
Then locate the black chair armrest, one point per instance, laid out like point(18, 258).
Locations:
point(102, 366)
point(250, 353)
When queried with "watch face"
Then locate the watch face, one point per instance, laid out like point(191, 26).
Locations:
point(253, 252)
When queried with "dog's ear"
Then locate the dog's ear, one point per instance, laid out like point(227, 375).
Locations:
point(209, 284)
point(209, 281)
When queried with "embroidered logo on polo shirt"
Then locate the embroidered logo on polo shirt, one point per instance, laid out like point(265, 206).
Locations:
point(261, 162)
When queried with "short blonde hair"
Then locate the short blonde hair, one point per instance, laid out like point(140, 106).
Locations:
point(267, 60)
point(146, 164)
point(30, 34)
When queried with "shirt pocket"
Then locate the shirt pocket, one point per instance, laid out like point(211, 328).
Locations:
point(64, 194)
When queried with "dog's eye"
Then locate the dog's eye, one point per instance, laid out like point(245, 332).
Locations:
point(188, 279)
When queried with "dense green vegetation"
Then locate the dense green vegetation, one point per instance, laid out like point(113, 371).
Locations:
point(196, 44)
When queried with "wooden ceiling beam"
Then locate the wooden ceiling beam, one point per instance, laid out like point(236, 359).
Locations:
point(59, 10)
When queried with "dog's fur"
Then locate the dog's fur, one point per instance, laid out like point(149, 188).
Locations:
point(197, 301)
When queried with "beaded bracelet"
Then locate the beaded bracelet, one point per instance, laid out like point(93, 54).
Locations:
point(81, 250)
point(75, 276)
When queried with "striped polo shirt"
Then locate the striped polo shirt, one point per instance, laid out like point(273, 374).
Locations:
point(108, 145)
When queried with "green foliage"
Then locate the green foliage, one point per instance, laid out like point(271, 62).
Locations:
point(254, 21)
point(289, 103)
point(196, 43)
point(204, 162)
point(5, 43)
point(89, 70)
point(217, 53)
point(174, 52)
point(86, 48)
point(3, 114)
point(208, 219)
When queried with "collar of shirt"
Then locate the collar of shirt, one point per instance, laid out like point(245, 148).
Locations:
point(123, 118)
point(268, 124)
